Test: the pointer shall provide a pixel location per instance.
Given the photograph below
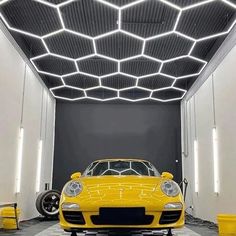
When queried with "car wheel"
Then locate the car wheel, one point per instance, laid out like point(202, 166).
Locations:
point(47, 203)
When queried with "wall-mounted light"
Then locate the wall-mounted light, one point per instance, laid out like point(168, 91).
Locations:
point(196, 177)
point(39, 166)
point(215, 144)
point(215, 161)
point(19, 160)
point(195, 150)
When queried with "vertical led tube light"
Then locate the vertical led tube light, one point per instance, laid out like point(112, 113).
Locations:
point(215, 144)
point(19, 159)
point(215, 160)
point(40, 150)
point(39, 164)
point(195, 150)
point(196, 170)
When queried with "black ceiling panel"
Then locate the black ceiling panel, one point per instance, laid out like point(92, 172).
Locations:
point(81, 81)
point(140, 66)
point(166, 94)
point(185, 83)
point(206, 19)
point(70, 45)
point(97, 66)
point(68, 93)
point(168, 46)
point(185, 3)
point(119, 46)
point(149, 18)
point(31, 16)
point(120, 2)
point(55, 65)
point(118, 81)
point(155, 82)
point(31, 46)
point(56, 1)
point(51, 81)
point(101, 93)
point(182, 67)
point(207, 48)
point(89, 17)
point(135, 93)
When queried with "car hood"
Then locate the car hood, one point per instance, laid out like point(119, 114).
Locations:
point(123, 187)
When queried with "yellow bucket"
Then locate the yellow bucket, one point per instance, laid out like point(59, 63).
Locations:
point(9, 212)
point(227, 224)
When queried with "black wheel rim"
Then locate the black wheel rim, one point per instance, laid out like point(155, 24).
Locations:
point(50, 203)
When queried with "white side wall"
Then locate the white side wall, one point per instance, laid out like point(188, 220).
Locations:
point(206, 203)
point(12, 68)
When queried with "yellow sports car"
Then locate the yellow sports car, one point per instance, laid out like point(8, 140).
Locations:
point(121, 194)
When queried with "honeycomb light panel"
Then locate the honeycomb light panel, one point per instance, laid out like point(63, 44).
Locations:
point(134, 94)
point(111, 37)
point(168, 94)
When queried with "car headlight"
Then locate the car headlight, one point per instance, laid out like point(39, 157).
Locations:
point(73, 188)
point(170, 188)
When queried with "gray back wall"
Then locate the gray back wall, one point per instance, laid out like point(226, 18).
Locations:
point(86, 132)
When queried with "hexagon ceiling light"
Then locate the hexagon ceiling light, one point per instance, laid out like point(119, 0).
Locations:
point(131, 50)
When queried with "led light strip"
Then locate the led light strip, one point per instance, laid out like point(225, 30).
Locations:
point(195, 150)
point(19, 160)
point(168, 88)
point(39, 165)
point(196, 170)
point(70, 87)
point(3, 1)
point(215, 161)
point(120, 30)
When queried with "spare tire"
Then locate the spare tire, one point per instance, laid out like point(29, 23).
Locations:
point(47, 203)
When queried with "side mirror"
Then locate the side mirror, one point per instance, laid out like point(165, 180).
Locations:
point(76, 175)
point(167, 175)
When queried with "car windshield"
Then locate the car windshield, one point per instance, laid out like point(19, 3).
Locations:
point(121, 167)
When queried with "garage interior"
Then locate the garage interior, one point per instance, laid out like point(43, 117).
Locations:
point(82, 80)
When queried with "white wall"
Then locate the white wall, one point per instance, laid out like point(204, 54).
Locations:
point(36, 98)
point(206, 203)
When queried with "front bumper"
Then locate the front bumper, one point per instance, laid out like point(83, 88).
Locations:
point(154, 220)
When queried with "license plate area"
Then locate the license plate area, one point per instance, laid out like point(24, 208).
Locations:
point(124, 212)
point(122, 216)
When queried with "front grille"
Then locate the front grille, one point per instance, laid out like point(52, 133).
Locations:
point(169, 217)
point(122, 216)
point(74, 217)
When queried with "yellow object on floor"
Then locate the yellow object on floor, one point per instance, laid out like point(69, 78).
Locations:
point(227, 225)
point(9, 223)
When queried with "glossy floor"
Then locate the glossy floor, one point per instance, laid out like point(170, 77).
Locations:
point(48, 228)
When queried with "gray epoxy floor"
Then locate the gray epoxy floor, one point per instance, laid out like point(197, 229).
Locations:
point(51, 228)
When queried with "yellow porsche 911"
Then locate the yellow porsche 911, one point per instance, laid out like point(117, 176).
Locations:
point(121, 194)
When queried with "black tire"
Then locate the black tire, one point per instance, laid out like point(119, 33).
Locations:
point(47, 203)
